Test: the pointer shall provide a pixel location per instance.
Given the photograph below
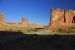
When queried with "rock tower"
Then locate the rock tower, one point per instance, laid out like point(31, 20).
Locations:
point(1, 17)
point(24, 22)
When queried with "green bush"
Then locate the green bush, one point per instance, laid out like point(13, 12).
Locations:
point(32, 30)
point(19, 31)
point(60, 30)
point(53, 31)
point(70, 31)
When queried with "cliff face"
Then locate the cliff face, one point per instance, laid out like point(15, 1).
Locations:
point(64, 19)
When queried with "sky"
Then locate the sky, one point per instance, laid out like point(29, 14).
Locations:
point(36, 11)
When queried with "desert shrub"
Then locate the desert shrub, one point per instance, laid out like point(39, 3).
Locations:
point(29, 31)
point(70, 31)
point(60, 30)
point(10, 30)
point(32, 30)
point(35, 30)
point(19, 31)
point(53, 31)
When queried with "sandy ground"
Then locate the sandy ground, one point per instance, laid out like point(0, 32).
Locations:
point(48, 32)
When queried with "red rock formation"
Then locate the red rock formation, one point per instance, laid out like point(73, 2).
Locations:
point(24, 22)
point(1, 18)
point(64, 19)
point(24, 25)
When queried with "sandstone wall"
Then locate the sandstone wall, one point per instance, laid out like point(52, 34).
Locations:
point(62, 19)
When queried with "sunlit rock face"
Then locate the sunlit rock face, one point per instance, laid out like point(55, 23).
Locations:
point(61, 18)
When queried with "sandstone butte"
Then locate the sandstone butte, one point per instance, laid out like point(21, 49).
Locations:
point(24, 25)
point(60, 18)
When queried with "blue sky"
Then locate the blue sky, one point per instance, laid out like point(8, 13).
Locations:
point(36, 11)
